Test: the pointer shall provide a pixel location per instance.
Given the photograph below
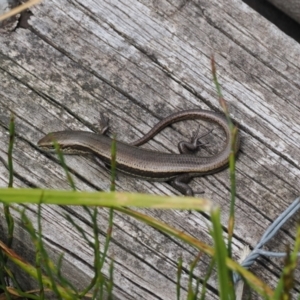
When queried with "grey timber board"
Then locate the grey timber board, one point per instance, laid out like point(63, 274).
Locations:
point(290, 7)
point(277, 17)
point(139, 61)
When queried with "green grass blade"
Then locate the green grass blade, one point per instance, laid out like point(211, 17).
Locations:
point(23, 196)
point(286, 281)
point(179, 273)
point(192, 295)
point(234, 136)
point(226, 289)
point(63, 164)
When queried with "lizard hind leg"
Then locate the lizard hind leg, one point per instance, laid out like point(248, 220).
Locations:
point(195, 144)
point(180, 183)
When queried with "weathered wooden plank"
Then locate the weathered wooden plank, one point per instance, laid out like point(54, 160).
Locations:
point(138, 62)
point(290, 7)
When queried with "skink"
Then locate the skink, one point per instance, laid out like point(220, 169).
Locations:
point(179, 169)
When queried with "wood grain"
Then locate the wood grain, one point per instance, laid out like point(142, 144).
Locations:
point(139, 61)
